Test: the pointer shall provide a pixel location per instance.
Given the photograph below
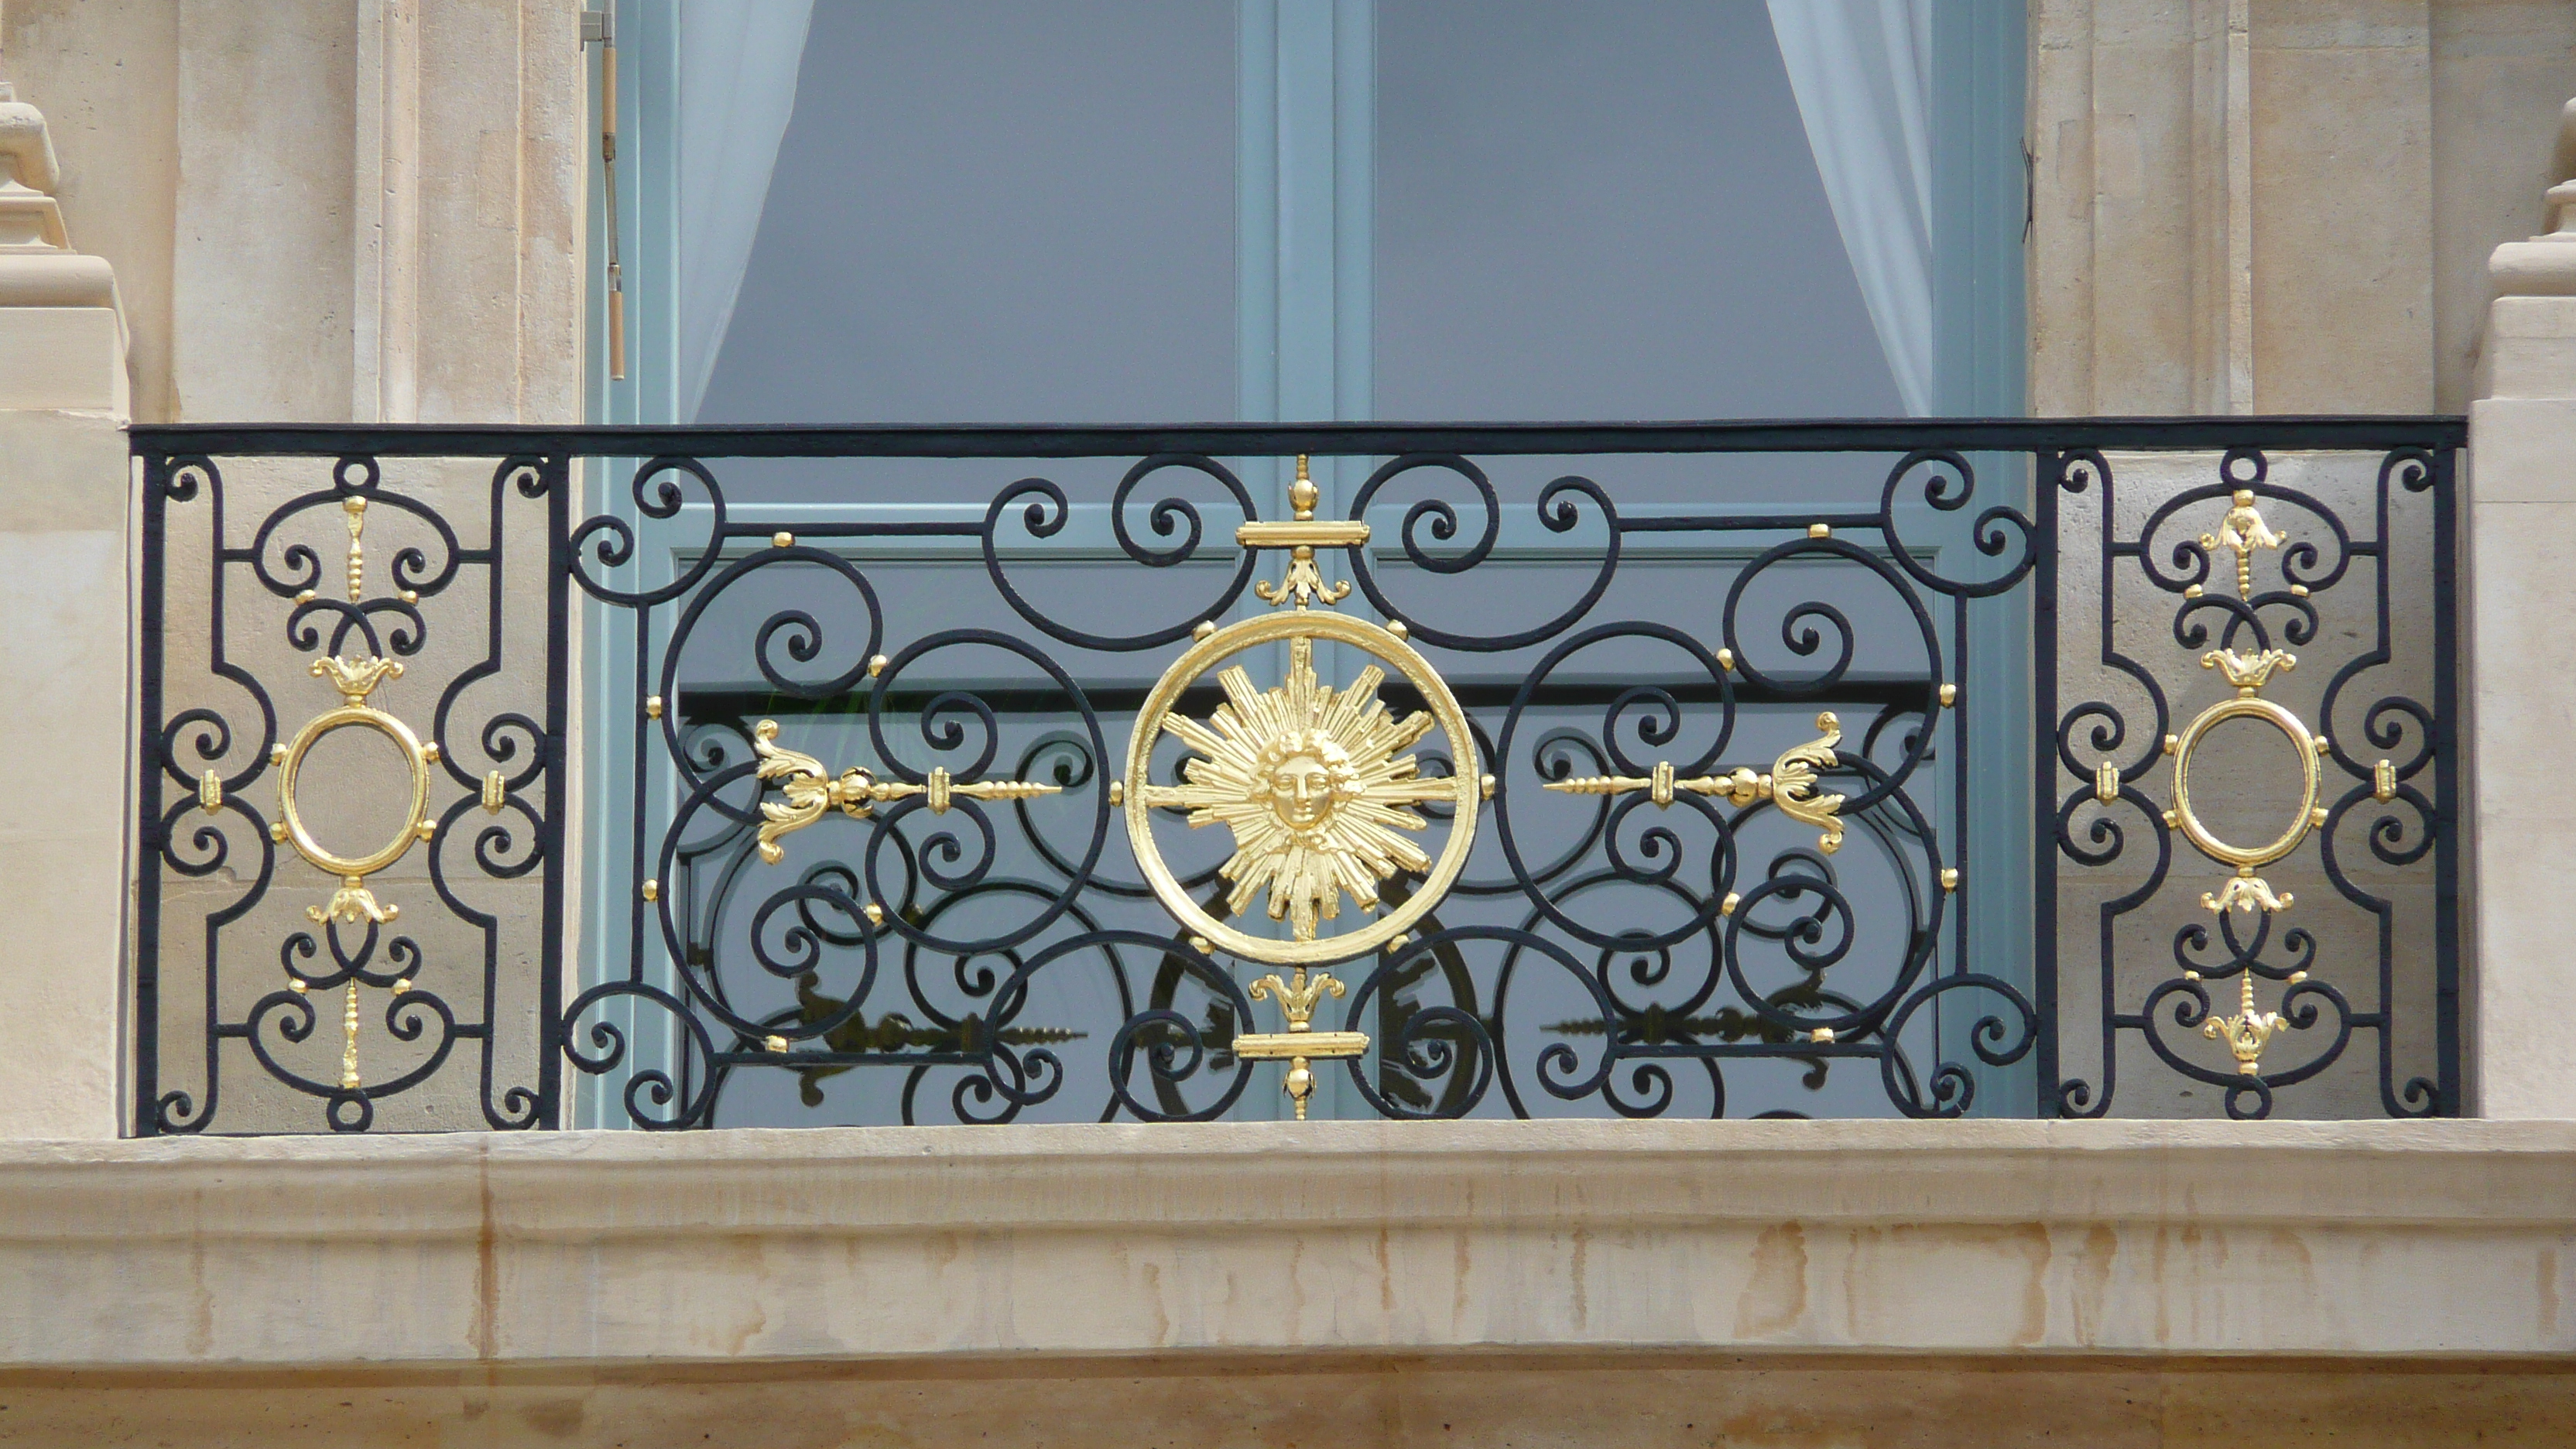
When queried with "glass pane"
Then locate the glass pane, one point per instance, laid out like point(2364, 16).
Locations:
point(1012, 210)
point(1611, 211)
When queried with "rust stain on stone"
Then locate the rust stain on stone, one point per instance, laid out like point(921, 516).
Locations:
point(2093, 1281)
point(555, 1418)
point(201, 1318)
point(2289, 1247)
point(1385, 1275)
point(1296, 1287)
point(1154, 1301)
point(2156, 1281)
point(2032, 1240)
point(487, 1270)
point(1860, 1261)
point(1582, 1285)
point(1775, 1297)
point(1458, 1271)
point(2546, 1272)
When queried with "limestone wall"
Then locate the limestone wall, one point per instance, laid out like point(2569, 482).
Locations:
point(2280, 206)
point(326, 210)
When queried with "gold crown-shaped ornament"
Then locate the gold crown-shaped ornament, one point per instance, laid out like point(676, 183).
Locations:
point(2249, 674)
point(355, 678)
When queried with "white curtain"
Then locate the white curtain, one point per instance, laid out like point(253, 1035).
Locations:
point(1862, 70)
point(738, 61)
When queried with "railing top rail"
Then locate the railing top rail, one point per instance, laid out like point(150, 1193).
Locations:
point(1089, 440)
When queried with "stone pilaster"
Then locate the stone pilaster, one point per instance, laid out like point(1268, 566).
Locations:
point(2521, 590)
point(65, 599)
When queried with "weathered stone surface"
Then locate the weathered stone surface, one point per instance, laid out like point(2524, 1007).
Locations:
point(930, 1244)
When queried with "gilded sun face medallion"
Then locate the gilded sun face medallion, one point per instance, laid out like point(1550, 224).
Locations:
point(1315, 784)
point(1318, 785)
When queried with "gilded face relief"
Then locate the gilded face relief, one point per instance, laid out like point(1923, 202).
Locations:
point(1303, 787)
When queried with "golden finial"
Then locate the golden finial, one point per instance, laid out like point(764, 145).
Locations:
point(350, 1081)
point(1301, 535)
point(810, 790)
point(2247, 1032)
point(1790, 786)
point(356, 508)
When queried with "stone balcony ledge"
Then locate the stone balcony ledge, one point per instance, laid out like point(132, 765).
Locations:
point(953, 1244)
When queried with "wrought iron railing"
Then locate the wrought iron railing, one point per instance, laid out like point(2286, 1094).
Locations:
point(1583, 786)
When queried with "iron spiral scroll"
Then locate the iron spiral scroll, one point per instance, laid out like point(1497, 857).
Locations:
point(1480, 791)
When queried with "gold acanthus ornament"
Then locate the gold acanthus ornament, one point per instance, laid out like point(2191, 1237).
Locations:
point(2243, 533)
point(810, 789)
point(1790, 786)
point(1301, 535)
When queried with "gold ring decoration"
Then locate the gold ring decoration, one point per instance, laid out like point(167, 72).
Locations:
point(1313, 783)
point(2190, 823)
point(2246, 891)
point(355, 679)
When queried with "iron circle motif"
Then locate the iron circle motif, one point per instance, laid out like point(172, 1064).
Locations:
point(417, 755)
point(2292, 728)
point(1462, 790)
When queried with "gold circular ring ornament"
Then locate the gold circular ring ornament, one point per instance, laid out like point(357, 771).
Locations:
point(1312, 781)
point(2296, 731)
point(355, 679)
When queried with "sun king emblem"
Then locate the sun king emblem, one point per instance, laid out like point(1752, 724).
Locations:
point(1313, 784)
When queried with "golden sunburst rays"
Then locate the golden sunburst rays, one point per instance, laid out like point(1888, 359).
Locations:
point(1312, 782)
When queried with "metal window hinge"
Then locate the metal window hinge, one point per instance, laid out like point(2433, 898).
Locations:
point(599, 27)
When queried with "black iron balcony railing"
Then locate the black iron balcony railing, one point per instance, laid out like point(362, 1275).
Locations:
point(853, 774)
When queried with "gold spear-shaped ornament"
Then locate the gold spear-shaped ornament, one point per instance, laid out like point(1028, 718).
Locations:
point(1790, 786)
point(810, 789)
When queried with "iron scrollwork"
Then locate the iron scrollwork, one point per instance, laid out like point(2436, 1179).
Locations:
point(1686, 811)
